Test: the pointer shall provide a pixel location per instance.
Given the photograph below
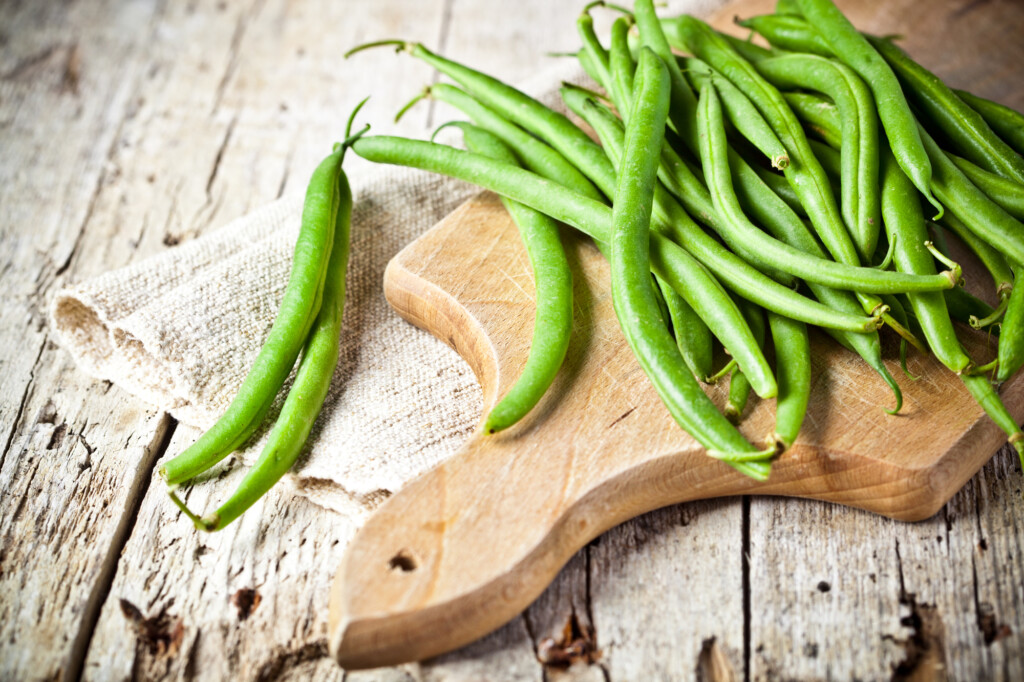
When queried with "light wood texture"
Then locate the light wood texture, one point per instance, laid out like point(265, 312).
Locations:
point(126, 127)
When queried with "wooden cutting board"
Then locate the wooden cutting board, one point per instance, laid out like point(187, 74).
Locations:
point(468, 545)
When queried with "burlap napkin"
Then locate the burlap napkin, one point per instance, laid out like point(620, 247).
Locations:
point(180, 330)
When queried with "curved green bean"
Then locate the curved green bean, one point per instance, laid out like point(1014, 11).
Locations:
point(859, 129)
point(754, 245)
point(741, 112)
point(552, 324)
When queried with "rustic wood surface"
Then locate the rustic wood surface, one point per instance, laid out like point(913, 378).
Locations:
point(129, 127)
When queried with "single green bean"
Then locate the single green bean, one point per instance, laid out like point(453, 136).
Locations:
point(1007, 193)
point(793, 372)
point(1006, 122)
point(552, 325)
point(900, 126)
point(296, 315)
point(635, 307)
point(985, 394)
point(905, 227)
point(740, 111)
point(1011, 334)
point(623, 67)
point(693, 337)
point(964, 127)
point(788, 32)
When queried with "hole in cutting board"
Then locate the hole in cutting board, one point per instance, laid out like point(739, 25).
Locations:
point(403, 561)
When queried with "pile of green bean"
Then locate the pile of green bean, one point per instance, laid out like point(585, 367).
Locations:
point(739, 193)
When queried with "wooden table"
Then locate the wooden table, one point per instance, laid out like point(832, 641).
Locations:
point(128, 127)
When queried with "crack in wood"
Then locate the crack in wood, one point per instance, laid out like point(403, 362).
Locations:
point(108, 568)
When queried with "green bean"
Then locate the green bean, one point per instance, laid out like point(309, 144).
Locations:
point(535, 155)
point(683, 103)
point(897, 119)
point(788, 32)
point(1011, 336)
point(983, 392)
point(793, 369)
point(739, 384)
point(622, 66)
point(299, 307)
point(693, 337)
point(1007, 193)
point(1006, 122)
point(905, 227)
point(319, 356)
point(961, 124)
point(859, 126)
point(741, 112)
point(630, 257)
point(593, 48)
point(968, 203)
point(750, 242)
point(553, 317)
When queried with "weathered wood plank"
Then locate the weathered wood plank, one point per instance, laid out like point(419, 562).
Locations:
point(72, 447)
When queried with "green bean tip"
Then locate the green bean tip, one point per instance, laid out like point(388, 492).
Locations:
point(780, 162)
point(400, 45)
